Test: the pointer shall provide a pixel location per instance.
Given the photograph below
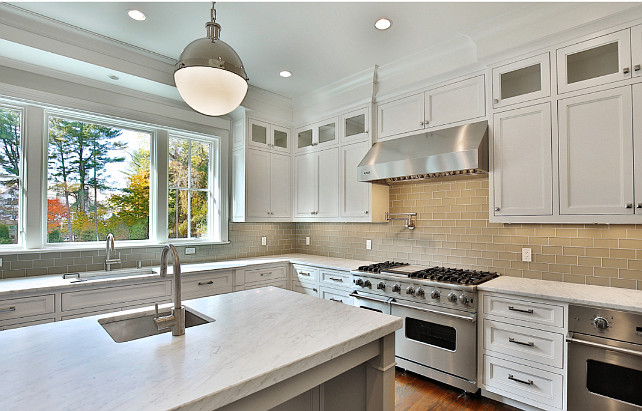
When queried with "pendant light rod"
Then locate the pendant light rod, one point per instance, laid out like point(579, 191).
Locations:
point(213, 28)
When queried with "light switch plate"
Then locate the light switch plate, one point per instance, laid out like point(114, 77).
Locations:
point(263, 240)
point(527, 254)
point(368, 244)
point(190, 250)
point(307, 240)
point(0, 262)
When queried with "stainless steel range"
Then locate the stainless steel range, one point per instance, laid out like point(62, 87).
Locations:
point(439, 309)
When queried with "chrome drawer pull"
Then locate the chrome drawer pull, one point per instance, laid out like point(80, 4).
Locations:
point(530, 343)
point(336, 301)
point(519, 310)
point(205, 283)
point(314, 289)
point(529, 382)
point(270, 273)
point(64, 276)
point(336, 279)
point(304, 273)
point(7, 309)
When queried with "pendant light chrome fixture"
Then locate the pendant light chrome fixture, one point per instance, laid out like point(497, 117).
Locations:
point(209, 74)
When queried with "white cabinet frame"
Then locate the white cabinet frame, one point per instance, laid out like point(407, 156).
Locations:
point(543, 60)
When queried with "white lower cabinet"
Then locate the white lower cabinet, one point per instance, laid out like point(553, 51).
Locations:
point(272, 275)
point(18, 308)
point(329, 284)
point(336, 295)
point(207, 284)
point(522, 350)
point(8, 325)
point(306, 288)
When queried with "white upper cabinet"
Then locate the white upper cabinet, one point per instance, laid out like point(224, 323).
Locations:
point(522, 171)
point(452, 103)
point(636, 50)
point(355, 126)
point(637, 144)
point(596, 153)
point(523, 80)
point(316, 177)
point(306, 185)
point(263, 135)
point(280, 186)
point(317, 136)
point(600, 60)
point(328, 182)
point(268, 192)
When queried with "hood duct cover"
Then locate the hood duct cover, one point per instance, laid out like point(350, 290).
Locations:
point(453, 152)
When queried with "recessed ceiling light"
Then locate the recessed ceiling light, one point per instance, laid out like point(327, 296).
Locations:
point(383, 24)
point(285, 73)
point(136, 15)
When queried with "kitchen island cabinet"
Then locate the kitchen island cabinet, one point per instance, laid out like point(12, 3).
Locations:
point(256, 355)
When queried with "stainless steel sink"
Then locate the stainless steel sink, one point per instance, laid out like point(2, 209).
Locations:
point(133, 326)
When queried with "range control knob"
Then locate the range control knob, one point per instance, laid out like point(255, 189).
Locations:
point(452, 297)
point(435, 294)
point(420, 292)
point(396, 288)
point(601, 323)
point(381, 286)
point(410, 291)
point(359, 282)
point(463, 299)
point(367, 283)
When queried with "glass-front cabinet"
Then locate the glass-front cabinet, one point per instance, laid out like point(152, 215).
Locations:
point(317, 136)
point(600, 60)
point(523, 80)
point(355, 126)
point(263, 135)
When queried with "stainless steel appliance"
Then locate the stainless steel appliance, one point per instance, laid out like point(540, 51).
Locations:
point(439, 309)
point(604, 359)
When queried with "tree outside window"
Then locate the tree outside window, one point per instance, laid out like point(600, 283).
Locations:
point(10, 138)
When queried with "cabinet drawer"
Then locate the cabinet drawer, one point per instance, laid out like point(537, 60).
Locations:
point(9, 325)
point(306, 273)
point(114, 295)
point(306, 288)
point(529, 385)
point(26, 306)
point(336, 278)
point(274, 283)
point(526, 343)
point(264, 274)
point(338, 296)
point(203, 285)
point(530, 311)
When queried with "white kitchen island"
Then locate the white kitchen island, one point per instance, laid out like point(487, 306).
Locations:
point(267, 348)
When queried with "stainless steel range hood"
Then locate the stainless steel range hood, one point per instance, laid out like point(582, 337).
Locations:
point(453, 152)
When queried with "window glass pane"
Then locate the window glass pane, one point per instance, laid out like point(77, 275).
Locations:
point(177, 216)
point(97, 182)
point(199, 214)
point(200, 164)
point(10, 136)
point(178, 162)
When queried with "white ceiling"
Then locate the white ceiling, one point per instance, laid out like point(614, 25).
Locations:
point(320, 43)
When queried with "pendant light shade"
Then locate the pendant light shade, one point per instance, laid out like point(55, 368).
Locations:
point(209, 74)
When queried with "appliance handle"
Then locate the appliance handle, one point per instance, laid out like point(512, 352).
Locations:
point(355, 295)
point(459, 317)
point(604, 347)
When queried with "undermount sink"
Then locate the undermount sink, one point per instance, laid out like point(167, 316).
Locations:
point(133, 326)
point(99, 275)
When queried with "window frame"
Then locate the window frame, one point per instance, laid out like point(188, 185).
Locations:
point(21, 226)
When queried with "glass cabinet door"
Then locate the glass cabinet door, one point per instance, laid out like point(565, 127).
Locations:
point(593, 62)
point(258, 133)
point(327, 133)
point(523, 80)
point(304, 138)
point(354, 126)
point(280, 139)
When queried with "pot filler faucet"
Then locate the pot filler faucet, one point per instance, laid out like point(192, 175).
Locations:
point(109, 250)
point(176, 320)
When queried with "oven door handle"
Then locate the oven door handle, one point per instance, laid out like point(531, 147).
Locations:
point(355, 295)
point(604, 347)
point(459, 317)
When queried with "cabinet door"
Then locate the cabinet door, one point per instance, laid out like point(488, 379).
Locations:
point(596, 153)
point(455, 102)
point(636, 50)
point(304, 138)
point(306, 184)
point(400, 116)
point(280, 139)
point(601, 60)
point(238, 185)
point(258, 134)
point(328, 178)
point(326, 133)
point(354, 195)
point(280, 186)
point(355, 126)
point(637, 144)
point(257, 183)
point(523, 169)
point(523, 80)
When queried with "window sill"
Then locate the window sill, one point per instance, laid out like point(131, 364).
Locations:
point(100, 245)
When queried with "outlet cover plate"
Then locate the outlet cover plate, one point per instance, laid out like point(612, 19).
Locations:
point(307, 240)
point(190, 250)
point(368, 244)
point(263, 240)
point(527, 254)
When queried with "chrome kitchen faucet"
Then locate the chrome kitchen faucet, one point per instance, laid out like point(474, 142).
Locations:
point(109, 250)
point(176, 320)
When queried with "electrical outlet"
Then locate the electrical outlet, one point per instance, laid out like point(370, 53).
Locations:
point(368, 244)
point(263, 240)
point(190, 250)
point(307, 240)
point(527, 254)
point(0, 262)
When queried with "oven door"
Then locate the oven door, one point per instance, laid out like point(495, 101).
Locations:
point(437, 338)
point(371, 302)
point(603, 374)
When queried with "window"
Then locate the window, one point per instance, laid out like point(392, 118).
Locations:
point(10, 148)
point(98, 179)
point(189, 187)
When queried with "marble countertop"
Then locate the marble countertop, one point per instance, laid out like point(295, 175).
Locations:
point(254, 343)
point(595, 295)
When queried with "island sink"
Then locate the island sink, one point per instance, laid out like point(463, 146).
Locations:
point(130, 327)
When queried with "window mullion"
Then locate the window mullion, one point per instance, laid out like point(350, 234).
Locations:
point(34, 190)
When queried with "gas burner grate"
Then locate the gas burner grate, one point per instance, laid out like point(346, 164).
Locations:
point(454, 275)
point(376, 268)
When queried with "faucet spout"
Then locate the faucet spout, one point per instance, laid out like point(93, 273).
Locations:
point(177, 318)
point(109, 250)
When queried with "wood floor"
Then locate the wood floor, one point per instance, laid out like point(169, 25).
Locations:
point(416, 393)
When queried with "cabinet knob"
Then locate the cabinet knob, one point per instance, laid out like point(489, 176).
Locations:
point(639, 205)
point(366, 212)
point(496, 101)
point(636, 67)
point(626, 70)
point(421, 123)
point(496, 208)
point(628, 205)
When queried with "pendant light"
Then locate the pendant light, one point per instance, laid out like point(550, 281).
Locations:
point(209, 74)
